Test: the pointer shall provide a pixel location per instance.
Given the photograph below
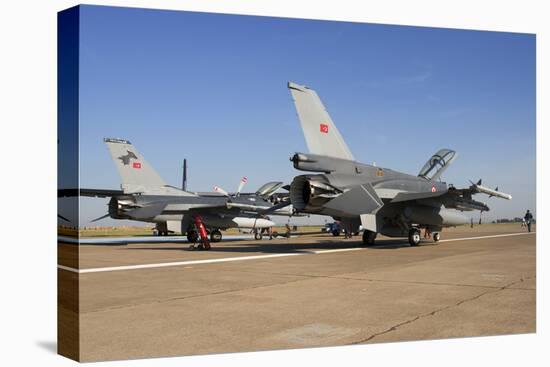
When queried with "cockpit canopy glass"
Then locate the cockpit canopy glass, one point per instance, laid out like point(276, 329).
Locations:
point(269, 188)
point(438, 163)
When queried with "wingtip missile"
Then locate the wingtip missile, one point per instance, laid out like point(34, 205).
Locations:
point(479, 188)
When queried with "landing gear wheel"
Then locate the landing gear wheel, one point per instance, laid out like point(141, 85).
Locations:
point(257, 236)
point(215, 236)
point(335, 233)
point(414, 236)
point(436, 237)
point(368, 238)
point(192, 236)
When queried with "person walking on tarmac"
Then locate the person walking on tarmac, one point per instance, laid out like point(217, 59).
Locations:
point(528, 218)
point(270, 232)
point(287, 230)
point(347, 232)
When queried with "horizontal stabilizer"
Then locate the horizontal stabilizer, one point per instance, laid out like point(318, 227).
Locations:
point(95, 193)
point(359, 200)
point(148, 211)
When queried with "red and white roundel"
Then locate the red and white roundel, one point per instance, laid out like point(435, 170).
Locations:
point(323, 128)
point(434, 189)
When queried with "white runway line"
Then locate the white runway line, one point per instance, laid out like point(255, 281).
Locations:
point(491, 236)
point(255, 257)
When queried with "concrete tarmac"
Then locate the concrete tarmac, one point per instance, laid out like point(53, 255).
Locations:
point(317, 291)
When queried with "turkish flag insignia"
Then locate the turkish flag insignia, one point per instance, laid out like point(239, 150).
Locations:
point(136, 165)
point(323, 128)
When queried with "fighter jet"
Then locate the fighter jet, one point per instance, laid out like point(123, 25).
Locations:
point(379, 199)
point(145, 196)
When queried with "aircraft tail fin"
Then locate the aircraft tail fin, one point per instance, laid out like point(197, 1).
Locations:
point(322, 136)
point(136, 174)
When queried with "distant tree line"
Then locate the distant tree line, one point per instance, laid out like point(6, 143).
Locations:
point(514, 220)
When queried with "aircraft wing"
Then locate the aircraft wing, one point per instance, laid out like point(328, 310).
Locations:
point(406, 196)
point(154, 209)
point(97, 193)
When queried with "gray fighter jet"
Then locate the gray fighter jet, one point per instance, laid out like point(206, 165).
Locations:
point(144, 196)
point(379, 199)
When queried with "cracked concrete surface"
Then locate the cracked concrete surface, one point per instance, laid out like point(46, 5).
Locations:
point(434, 312)
point(391, 293)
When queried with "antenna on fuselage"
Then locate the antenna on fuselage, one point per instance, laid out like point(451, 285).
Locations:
point(184, 178)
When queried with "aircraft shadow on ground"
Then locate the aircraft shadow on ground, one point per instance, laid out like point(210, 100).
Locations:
point(266, 247)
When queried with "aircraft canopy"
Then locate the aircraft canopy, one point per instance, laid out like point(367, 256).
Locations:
point(269, 188)
point(437, 164)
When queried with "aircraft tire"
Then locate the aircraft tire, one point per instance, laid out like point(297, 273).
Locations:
point(414, 237)
point(257, 236)
point(368, 238)
point(215, 235)
point(436, 237)
point(336, 233)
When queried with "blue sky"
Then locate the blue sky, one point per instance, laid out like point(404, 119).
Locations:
point(212, 88)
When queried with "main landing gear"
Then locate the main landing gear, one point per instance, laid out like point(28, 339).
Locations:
point(414, 236)
point(258, 235)
point(204, 243)
point(368, 238)
point(215, 235)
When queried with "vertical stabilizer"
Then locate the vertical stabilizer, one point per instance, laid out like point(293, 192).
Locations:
point(322, 136)
point(136, 174)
